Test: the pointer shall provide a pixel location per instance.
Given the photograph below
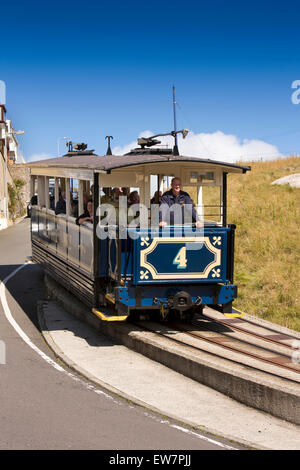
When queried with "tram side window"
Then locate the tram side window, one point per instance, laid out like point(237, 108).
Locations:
point(111, 197)
point(60, 207)
point(211, 204)
point(52, 194)
point(74, 197)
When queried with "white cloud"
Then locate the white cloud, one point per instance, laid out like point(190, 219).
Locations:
point(216, 146)
point(38, 156)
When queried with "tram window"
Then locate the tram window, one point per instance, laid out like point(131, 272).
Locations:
point(207, 201)
point(211, 203)
point(166, 181)
point(52, 194)
point(153, 184)
point(204, 177)
point(74, 188)
point(74, 200)
point(192, 191)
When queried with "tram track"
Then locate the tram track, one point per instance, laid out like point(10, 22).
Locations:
point(219, 341)
point(232, 323)
point(268, 355)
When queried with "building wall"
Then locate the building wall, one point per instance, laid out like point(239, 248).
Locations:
point(2, 193)
point(22, 172)
point(3, 220)
point(9, 169)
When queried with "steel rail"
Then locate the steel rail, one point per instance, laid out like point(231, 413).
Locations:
point(233, 326)
point(225, 346)
point(197, 334)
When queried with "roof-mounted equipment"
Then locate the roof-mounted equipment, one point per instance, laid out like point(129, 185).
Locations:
point(77, 148)
point(150, 141)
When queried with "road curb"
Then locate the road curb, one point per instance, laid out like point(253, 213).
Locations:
point(273, 395)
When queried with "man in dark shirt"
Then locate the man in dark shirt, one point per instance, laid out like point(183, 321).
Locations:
point(181, 202)
point(61, 204)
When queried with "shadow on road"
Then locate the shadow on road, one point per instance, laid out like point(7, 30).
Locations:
point(26, 287)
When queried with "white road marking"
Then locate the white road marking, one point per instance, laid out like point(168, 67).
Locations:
point(27, 340)
point(193, 433)
point(44, 356)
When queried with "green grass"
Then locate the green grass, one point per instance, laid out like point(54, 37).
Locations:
point(267, 255)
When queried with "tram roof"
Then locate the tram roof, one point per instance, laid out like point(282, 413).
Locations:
point(107, 163)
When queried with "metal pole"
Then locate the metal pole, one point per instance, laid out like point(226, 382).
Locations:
point(175, 149)
point(224, 200)
point(96, 241)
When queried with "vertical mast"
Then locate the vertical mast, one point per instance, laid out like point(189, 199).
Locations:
point(175, 149)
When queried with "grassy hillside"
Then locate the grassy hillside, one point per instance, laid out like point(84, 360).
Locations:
point(267, 259)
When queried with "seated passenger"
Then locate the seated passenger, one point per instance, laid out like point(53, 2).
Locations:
point(52, 202)
point(88, 215)
point(116, 193)
point(156, 198)
point(134, 198)
point(61, 204)
point(155, 201)
point(109, 206)
point(106, 199)
point(125, 192)
point(175, 196)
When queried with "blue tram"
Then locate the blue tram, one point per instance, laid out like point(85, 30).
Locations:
point(123, 262)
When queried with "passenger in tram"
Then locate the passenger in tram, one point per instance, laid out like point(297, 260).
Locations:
point(176, 196)
point(52, 202)
point(86, 198)
point(106, 199)
point(156, 198)
point(91, 195)
point(155, 201)
point(134, 198)
point(111, 199)
point(88, 215)
point(61, 204)
point(125, 192)
point(116, 193)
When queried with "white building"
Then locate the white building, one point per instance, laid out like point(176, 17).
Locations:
point(8, 156)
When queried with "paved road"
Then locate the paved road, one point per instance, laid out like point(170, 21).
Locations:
point(43, 405)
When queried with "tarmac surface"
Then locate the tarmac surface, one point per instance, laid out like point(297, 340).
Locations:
point(158, 388)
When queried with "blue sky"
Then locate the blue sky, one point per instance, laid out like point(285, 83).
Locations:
point(87, 70)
